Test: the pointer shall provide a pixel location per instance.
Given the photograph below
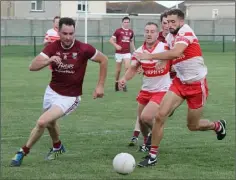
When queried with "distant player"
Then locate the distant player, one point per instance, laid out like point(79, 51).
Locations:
point(155, 82)
point(164, 27)
point(163, 34)
point(52, 34)
point(190, 83)
point(69, 58)
point(122, 39)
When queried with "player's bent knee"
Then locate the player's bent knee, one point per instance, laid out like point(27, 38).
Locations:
point(42, 124)
point(146, 118)
point(162, 114)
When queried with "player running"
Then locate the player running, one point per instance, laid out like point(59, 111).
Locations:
point(161, 37)
point(190, 83)
point(69, 58)
point(155, 82)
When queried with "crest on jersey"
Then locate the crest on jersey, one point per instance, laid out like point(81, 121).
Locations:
point(58, 53)
point(65, 56)
point(74, 55)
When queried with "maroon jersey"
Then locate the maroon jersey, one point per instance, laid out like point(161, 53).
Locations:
point(161, 37)
point(123, 38)
point(68, 75)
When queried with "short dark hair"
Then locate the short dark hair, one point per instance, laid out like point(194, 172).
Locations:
point(125, 18)
point(151, 23)
point(164, 14)
point(67, 21)
point(56, 17)
point(177, 12)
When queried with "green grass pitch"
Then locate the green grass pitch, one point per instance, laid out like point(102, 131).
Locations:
point(101, 128)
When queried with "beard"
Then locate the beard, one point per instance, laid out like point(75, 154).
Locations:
point(175, 31)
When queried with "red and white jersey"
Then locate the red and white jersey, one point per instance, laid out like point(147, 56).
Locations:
point(190, 66)
point(154, 80)
point(51, 36)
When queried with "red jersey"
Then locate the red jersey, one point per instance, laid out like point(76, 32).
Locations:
point(68, 75)
point(161, 37)
point(123, 38)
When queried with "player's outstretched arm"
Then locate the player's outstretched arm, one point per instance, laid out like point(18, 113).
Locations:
point(41, 61)
point(103, 61)
point(129, 74)
point(176, 52)
point(132, 45)
point(113, 42)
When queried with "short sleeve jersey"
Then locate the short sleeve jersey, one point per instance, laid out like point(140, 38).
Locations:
point(68, 75)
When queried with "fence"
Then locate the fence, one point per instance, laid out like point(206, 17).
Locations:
point(102, 26)
point(32, 45)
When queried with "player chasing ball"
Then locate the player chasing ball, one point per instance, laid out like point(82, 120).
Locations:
point(161, 37)
point(190, 83)
point(155, 82)
point(68, 58)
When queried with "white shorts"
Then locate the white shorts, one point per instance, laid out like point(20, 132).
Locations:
point(119, 57)
point(66, 103)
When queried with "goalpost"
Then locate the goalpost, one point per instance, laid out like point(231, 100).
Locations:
point(87, 15)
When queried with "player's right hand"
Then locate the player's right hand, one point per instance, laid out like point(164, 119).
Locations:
point(121, 83)
point(161, 65)
point(118, 47)
point(55, 59)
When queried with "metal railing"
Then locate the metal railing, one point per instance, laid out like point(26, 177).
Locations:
point(32, 45)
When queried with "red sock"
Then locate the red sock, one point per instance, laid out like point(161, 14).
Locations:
point(217, 126)
point(136, 133)
point(57, 145)
point(153, 151)
point(145, 139)
point(26, 150)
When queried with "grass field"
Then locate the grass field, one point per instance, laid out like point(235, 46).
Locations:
point(100, 129)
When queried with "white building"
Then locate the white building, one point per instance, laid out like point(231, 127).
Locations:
point(74, 8)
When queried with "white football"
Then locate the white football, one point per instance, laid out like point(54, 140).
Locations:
point(124, 163)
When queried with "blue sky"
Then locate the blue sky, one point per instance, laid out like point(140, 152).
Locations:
point(164, 3)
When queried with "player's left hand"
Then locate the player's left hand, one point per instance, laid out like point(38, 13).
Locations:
point(139, 70)
point(98, 92)
point(143, 56)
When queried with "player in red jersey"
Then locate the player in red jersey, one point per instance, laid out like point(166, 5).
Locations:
point(190, 83)
point(69, 58)
point(122, 40)
point(164, 27)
